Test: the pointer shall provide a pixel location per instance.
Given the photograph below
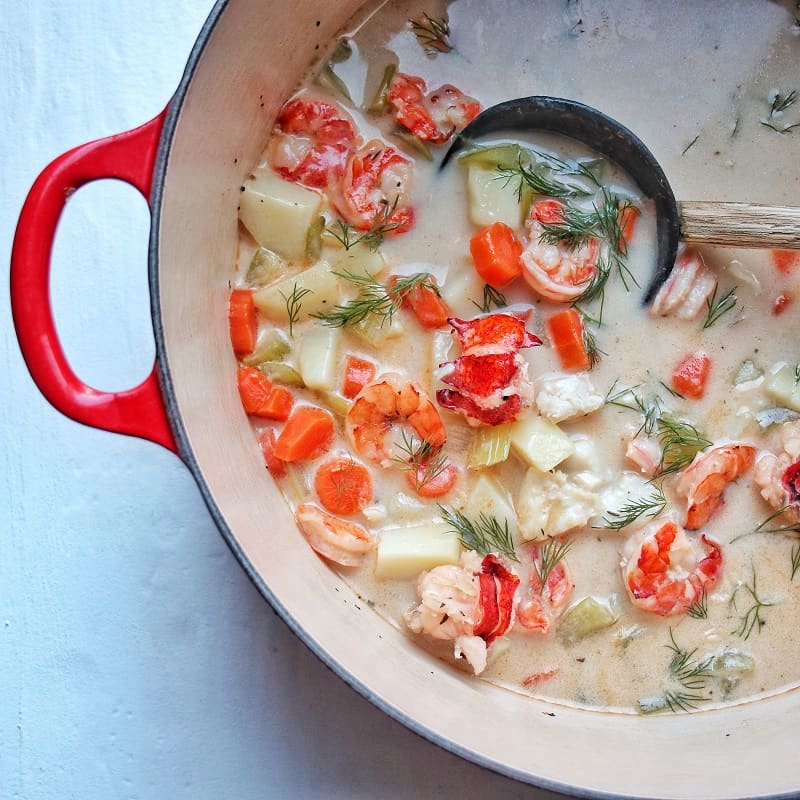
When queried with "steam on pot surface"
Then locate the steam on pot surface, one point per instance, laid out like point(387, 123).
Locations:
point(454, 382)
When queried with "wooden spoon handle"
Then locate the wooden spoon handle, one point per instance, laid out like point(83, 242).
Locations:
point(740, 225)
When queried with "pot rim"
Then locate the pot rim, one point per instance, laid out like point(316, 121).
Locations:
point(186, 453)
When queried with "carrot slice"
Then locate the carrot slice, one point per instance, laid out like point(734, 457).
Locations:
point(358, 372)
point(308, 433)
point(566, 335)
point(496, 251)
point(343, 486)
point(627, 222)
point(276, 467)
point(691, 375)
point(243, 321)
point(254, 389)
point(426, 303)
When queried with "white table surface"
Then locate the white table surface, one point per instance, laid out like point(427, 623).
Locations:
point(136, 659)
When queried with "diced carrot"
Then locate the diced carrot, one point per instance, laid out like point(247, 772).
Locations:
point(278, 404)
point(254, 389)
point(549, 212)
point(691, 375)
point(566, 335)
point(781, 303)
point(436, 486)
point(243, 321)
point(276, 467)
point(343, 486)
point(358, 372)
point(308, 433)
point(426, 303)
point(627, 222)
point(786, 261)
point(496, 251)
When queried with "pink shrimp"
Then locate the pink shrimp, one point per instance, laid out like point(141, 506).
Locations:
point(375, 188)
point(435, 117)
point(336, 539)
point(662, 572)
point(704, 480)
point(311, 143)
point(555, 271)
point(541, 605)
point(686, 290)
point(778, 476)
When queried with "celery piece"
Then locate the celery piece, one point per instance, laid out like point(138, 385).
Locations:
point(265, 267)
point(380, 103)
point(281, 373)
point(490, 446)
point(336, 403)
point(272, 345)
point(314, 238)
point(415, 143)
point(584, 618)
point(729, 665)
point(652, 705)
point(747, 372)
point(328, 79)
point(501, 156)
point(375, 330)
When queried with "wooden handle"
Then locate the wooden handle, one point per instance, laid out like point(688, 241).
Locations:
point(740, 225)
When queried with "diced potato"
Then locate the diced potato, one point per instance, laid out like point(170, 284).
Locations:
point(489, 497)
point(280, 215)
point(317, 357)
point(462, 286)
point(323, 294)
point(360, 260)
point(783, 386)
point(492, 198)
point(272, 345)
point(405, 552)
point(584, 618)
point(540, 443)
point(490, 446)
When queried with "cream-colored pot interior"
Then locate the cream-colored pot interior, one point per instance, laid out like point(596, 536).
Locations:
point(253, 57)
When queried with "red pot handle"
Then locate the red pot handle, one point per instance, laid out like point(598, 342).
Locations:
point(130, 157)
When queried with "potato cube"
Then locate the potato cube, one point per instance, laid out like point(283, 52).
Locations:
point(405, 552)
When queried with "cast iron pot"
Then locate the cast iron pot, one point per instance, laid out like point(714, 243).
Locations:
point(189, 163)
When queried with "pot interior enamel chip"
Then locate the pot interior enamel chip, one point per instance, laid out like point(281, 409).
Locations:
point(546, 525)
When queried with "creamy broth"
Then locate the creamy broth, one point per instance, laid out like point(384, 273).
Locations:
point(700, 97)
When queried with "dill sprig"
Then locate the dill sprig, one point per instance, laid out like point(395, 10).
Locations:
point(581, 169)
point(589, 339)
point(680, 442)
point(433, 34)
point(550, 554)
point(795, 556)
point(792, 527)
point(699, 609)
point(650, 506)
point(752, 617)
point(373, 237)
point(373, 298)
point(716, 307)
point(491, 296)
point(294, 304)
point(536, 178)
point(484, 535)
point(782, 101)
point(690, 145)
point(425, 461)
point(649, 408)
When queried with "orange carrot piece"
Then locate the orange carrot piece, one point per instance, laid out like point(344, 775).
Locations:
point(426, 303)
point(254, 389)
point(343, 486)
point(276, 467)
point(243, 321)
point(436, 486)
point(691, 375)
point(358, 372)
point(308, 433)
point(496, 251)
point(627, 222)
point(566, 335)
point(278, 404)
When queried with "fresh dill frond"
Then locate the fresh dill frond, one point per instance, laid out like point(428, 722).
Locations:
point(491, 297)
point(699, 609)
point(650, 506)
point(421, 458)
point(535, 177)
point(373, 237)
point(484, 535)
point(433, 34)
point(753, 616)
point(550, 554)
point(580, 169)
point(785, 129)
point(690, 145)
point(671, 391)
point(680, 442)
point(373, 298)
point(592, 348)
point(717, 307)
point(782, 101)
point(795, 555)
point(649, 408)
point(294, 304)
point(791, 527)
point(797, 375)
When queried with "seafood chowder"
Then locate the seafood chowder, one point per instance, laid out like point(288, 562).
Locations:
point(454, 381)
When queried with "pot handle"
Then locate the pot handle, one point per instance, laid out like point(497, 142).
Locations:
point(129, 156)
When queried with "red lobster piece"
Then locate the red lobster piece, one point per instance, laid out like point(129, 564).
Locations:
point(498, 586)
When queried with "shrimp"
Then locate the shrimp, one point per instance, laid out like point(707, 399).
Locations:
point(662, 572)
point(338, 540)
point(778, 476)
point(645, 453)
point(541, 605)
point(435, 117)
point(686, 290)
point(555, 271)
point(703, 481)
point(470, 604)
point(311, 143)
point(376, 408)
point(375, 188)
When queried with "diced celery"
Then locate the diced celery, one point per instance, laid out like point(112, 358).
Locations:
point(490, 445)
point(265, 267)
point(652, 705)
point(314, 239)
point(376, 330)
point(540, 443)
point(328, 79)
point(318, 286)
point(747, 372)
point(360, 260)
point(488, 497)
point(584, 618)
point(492, 198)
point(783, 385)
point(730, 665)
point(281, 373)
point(405, 552)
point(380, 103)
point(316, 357)
point(272, 345)
point(502, 156)
point(336, 403)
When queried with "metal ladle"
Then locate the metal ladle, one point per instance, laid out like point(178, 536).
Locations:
point(724, 224)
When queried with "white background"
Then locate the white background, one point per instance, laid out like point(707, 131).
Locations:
point(136, 660)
